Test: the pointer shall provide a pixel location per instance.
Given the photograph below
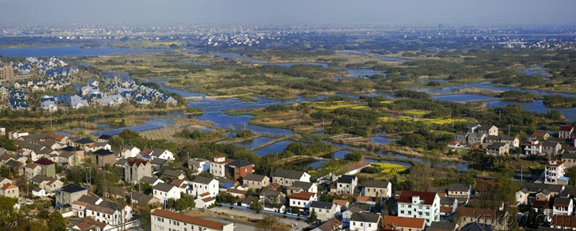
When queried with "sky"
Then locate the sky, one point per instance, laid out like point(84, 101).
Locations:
point(458, 12)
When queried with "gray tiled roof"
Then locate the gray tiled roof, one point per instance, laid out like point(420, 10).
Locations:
point(365, 217)
point(290, 174)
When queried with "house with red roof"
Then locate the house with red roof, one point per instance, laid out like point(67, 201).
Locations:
point(302, 199)
point(417, 204)
point(392, 223)
point(566, 131)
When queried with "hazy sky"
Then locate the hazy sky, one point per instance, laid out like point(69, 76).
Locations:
point(526, 12)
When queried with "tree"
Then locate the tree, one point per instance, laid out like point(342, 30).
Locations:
point(256, 206)
point(296, 210)
point(44, 214)
point(354, 156)
point(145, 188)
point(57, 222)
point(313, 218)
point(38, 225)
point(420, 177)
point(186, 201)
point(225, 198)
point(8, 215)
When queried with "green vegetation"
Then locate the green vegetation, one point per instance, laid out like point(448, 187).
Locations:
point(559, 101)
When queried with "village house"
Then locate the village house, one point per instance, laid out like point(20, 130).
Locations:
point(462, 191)
point(135, 169)
point(152, 154)
point(286, 178)
point(183, 185)
point(151, 180)
point(513, 142)
point(218, 166)
point(569, 159)
point(174, 174)
point(109, 212)
point(164, 191)
point(551, 149)
point(302, 199)
point(419, 205)
point(324, 210)
point(365, 221)
point(70, 193)
point(31, 170)
point(562, 206)
point(554, 173)
point(238, 169)
point(4, 181)
point(354, 208)
point(498, 149)
point(204, 200)
point(143, 200)
point(255, 181)
point(201, 185)
point(476, 139)
point(393, 223)
point(10, 190)
point(300, 186)
point(448, 206)
point(540, 135)
point(103, 157)
point(533, 147)
point(566, 131)
point(330, 225)
point(346, 184)
point(199, 165)
point(130, 151)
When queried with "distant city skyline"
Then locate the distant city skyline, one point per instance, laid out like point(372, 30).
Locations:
point(460, 12)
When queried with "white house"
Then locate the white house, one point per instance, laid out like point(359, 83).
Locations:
point(201, 185)
point(165, 191)
point(324, 210)
point(419, 205)
point(162, 154)
point(204, 201)
point(302, 199)
point(218, 166)
point(365, 221)
point(554, 173)
point(286, 178)
point(346, 184)
point(130, 151)
point(562, 206)
point(377, 189)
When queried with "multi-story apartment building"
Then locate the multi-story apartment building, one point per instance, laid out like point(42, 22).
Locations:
point(218, 166)
point(419, 205)
point(135, 169)
point(554, 173)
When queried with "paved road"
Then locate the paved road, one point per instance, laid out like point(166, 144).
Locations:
point(300, 225)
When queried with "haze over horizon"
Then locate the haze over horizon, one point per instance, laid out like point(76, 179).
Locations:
point(485, 12)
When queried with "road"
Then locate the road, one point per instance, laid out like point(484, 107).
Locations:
point(300, 225)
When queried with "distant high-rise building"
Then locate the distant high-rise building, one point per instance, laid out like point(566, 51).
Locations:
point(6, 73)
